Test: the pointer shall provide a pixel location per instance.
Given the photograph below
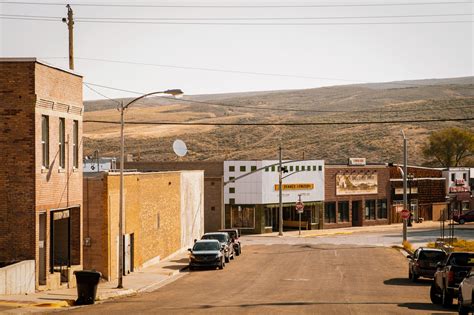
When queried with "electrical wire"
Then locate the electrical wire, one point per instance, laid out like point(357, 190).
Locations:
point(284, 124)
point(284, 109)
point(99, 93)
point(136, 5)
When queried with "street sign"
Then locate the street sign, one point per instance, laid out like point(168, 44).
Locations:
point(299, 206)
point(405, 214)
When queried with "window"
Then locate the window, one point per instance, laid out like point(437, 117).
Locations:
point(232, 190)
point(382, 209)
point(253, 168)
point(370, 209)
point(314, 167)
point(320, 167)
point(231, 177)
point(330, 212)
point(297, 168)
point(302, 167)
point(453, 177)
point(45, 140)
point(273, 168)
point(464, 176)
point(343, 209)
point(232, 201)
point(75, 144)
point(213, 208)
point(62, 144)
point(231, 168)
point(268, 217)
point(242, 168)
point(291, 168)
point(266, 169)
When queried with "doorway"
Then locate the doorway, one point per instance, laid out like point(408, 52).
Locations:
point(356, 213)
point(42, 249)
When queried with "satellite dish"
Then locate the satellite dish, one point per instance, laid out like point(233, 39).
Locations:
point(179, 147)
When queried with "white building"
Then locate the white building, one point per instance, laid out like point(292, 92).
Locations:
point(94, 165)
point(252, 201)
point(457, 187)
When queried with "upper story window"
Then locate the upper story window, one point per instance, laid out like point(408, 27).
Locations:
point(453, 177)
point(242, 168)
point(75, 144)
point(62, 144)
point(231, 168)
point(253, 168)
point(45, 140)
point(464, 176)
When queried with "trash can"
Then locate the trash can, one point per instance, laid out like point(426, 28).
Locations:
point(87, 282)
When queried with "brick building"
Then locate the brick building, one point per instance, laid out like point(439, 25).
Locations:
point(213, 186)
point(426, 192)
point(357, 195)
point(163, 215)
point(41, 168)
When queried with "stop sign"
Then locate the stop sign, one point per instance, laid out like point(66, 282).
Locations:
point(405, 214)
point(299, 206)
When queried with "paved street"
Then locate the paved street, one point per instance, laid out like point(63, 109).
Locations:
point(304, 278)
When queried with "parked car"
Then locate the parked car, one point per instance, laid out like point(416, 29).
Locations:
point(206, 253)
point(449, 275)
point(224, 240)
point(466, 294)
point(423, 262)
point(465, 217)
point(234, 236)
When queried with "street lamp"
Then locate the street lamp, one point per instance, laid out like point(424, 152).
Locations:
point(405, 173)
point(122, 108)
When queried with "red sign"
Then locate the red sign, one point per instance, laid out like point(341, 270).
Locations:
point(405, 214)
point(299, 206)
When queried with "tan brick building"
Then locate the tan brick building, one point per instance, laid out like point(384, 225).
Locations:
point(41, 168)
point(163, 215)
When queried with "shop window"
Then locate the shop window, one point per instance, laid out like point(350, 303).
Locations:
point(253, 168)
point(231, 190)
point(231, 168)
point(343, 210)
point(330, 212)
point(268, 217)
point(243, 217)
point(382, 209)
point(370, 209)
point(242, 168)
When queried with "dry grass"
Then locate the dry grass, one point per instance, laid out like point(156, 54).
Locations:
point(408, 246)
point(459, 246)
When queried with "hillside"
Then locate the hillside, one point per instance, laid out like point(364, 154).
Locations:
point(407, 100)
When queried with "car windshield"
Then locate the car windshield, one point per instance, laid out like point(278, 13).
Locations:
point(432, 255)
point(462, 259)
point(220, 237)
point(200, 246)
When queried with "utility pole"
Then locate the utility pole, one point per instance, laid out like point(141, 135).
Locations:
point(121, 201)
point(70, 26)
point(405, 173)
point(280, 225)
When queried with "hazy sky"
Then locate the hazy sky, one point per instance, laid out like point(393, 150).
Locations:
point(324, 54)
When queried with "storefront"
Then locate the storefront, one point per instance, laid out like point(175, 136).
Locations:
point(356, 195)
point(252, 200)
point(458, 191)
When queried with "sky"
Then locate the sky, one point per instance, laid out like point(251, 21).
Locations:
point(365, 43)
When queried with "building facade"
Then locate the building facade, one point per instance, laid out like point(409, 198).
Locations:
point(213, 186)
point(41, 169)
point(356, 195)
point(163, 215)
point(251, 194)
point(458, 190)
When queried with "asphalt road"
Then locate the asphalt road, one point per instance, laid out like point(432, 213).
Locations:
point(299, 278)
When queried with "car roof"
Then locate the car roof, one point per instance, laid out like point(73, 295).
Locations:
point(216, 233)
point(207, 241)
point(432, 249)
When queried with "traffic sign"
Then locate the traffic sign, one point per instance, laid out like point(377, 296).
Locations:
point(299, 206)
point(405, 214)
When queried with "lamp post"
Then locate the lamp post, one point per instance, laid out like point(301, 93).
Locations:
point(122, 108)
point(405, 173)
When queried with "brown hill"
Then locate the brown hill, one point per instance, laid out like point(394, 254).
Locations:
point(407, 100)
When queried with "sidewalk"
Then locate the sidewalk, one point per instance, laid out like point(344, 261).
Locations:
point(144, 280)
point(354, 229)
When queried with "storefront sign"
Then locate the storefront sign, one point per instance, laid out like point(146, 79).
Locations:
point(356, 184)
point(357, 161)
point(455, 189)
point(306, 186)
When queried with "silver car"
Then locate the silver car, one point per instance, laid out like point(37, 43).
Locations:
point(466, 293)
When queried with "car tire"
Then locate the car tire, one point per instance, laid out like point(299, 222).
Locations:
point(462, 221)
point(237, 253)
point(222, 264)
point(447, 298)
point(191, 268)
point(435, 294)
point(227, 259)
point(462, 310)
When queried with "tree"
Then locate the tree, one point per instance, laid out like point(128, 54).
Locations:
point(450, 147)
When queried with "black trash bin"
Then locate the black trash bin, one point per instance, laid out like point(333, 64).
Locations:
point(87, 282)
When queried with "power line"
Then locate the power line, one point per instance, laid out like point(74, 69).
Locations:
point(99, 93)
point(284, 109)
point(135, 5)
point(238, 18)
point(283, 124)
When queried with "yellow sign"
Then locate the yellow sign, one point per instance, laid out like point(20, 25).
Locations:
point(295, 187)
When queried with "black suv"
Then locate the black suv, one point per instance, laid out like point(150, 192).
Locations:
point(206, 253)
point(449, 275)
point(234, 236)
point(424, 261)
point(224, 240)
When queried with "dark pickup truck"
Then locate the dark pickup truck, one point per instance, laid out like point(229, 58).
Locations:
point(449, 274)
